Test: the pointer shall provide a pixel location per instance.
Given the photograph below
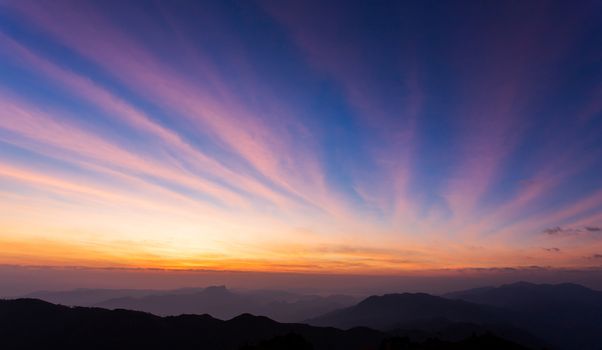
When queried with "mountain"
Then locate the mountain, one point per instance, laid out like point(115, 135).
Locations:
point(35, 324)
point(304, 307)
point(420, 312)
point(532, 296)
point(222, 303)
point(391, 311)
point(84, 296)
point(218, 301)
point(566, 314)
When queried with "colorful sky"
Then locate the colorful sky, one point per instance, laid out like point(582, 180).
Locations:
point(330, 137)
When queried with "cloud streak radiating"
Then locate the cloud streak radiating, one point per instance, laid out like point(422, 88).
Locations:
point(279, 136)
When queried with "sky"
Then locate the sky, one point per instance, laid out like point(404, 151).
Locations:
point(373, 138)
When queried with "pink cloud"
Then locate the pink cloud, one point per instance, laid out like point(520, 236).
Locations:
point(495, 102)
point(324, 42)
point(45, 133)
point(121, 110)
point(216, 112)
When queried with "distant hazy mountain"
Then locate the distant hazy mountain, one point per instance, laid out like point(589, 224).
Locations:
point(87, 297)
point(566, 314)
point(523, 295)
point(35, 324)
point(396, 310)
point(224, 304)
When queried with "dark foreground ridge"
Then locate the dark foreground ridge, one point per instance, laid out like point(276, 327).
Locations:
point(35, 324)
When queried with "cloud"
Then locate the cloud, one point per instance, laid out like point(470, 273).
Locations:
point(559, 231)
point(242, 153)
point(124, 112)
point(47, 132)
point(261, 141)
point(504, 268)
point(318, 32)
point(553, 230)
point(552, 250)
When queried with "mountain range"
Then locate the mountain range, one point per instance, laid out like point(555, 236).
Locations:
point(218, 301)
point(566, 315)
point(562, 316)
point(36, 324)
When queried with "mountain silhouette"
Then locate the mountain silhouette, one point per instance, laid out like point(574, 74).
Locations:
point(36, 324)
point(390, 311)
point(420, 312)
point(567, 315)
point(521, 295)
point(475, 342)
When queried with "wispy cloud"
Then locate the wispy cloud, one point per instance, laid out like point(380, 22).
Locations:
point(302, 136)
point(552, 250)
point(553, 231)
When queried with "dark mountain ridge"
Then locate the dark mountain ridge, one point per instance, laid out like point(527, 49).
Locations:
point(524, 294)
point(35, 324)
point(392, 310)
point(427, 313)
point(567, 315)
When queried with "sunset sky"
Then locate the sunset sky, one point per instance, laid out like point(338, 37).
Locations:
point(297, 136)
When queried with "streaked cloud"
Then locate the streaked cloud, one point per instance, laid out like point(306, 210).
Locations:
point(299, 137)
